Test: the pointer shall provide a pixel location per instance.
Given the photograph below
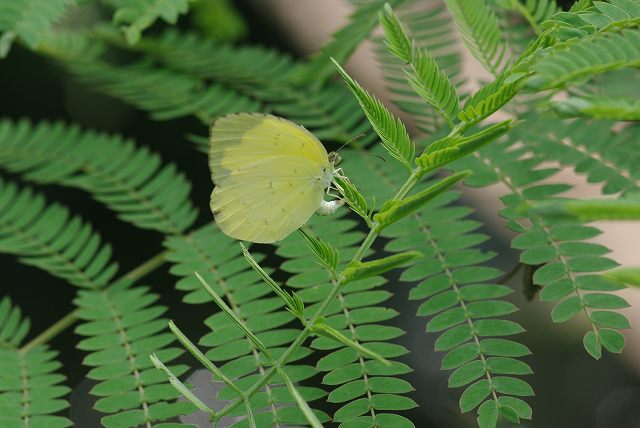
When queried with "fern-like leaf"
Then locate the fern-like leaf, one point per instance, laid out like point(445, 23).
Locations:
point(392, 132)
point(28, 20)
point(431, 32)
point(31, 392)
point(247, 78)
point(464, 302)
point(220, 261)
point(581, 60)
point(122, 326)
point(570, 268)
point(138, 15)
point(128, 179)
point(358, 315)
point(480, 32)
point(49, 238)
point(591, 148)
point(162, 92)
point(425, 77)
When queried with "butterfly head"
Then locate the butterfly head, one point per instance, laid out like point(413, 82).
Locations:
point(335, 158)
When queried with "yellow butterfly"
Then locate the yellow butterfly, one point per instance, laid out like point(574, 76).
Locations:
point(270, 176)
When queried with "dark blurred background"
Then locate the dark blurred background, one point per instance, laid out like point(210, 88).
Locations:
point(573, 390)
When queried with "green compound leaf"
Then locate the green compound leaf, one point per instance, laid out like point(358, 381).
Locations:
point(583, 59)
point(546, 241)
point(219, 260)
point(122, 326)
point(425, 77)
point(392, 132)
point(480, 32)
point(49, 238)
point(435, 46)
point(32, 394)
point(130, 180)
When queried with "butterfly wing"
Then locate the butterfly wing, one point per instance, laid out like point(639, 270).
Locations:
point(239, 140)
point(268, 174)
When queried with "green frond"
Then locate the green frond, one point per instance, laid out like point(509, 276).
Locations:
point(599, 107)
point(431, 32)
point(578, 61)
point(135, 16)
point(480, 32)
point(163, 93)
point(358, 315)
point(463, 300)
point(392, 132)
point(122, 326)
point(254, 78)
point(48, 237)
point(591, 148)
point(28, 20)
point(130, 180)
point(31, 392)
point(344, 42)
point(425, 77)
point(567, 268)
point(220, 261)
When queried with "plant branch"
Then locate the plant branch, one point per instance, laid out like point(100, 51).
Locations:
point(337, 287)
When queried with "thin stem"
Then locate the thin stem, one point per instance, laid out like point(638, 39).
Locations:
point(337, 287)
point(69, 319)
point(51, 332)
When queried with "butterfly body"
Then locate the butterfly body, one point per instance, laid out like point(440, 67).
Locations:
point(270, 176)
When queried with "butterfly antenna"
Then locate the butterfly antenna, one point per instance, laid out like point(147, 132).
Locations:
point(353, 139)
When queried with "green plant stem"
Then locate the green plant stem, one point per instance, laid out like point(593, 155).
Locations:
point(68, 320)
point(51, 332)
point(358, 256)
